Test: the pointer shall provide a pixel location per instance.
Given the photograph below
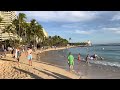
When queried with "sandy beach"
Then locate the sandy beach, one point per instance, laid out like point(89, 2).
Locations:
point(10, 70)
point(50, 49)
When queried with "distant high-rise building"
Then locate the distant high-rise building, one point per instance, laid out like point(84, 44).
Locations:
point(7, 18)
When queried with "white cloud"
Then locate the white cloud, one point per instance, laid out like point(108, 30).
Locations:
point(112, 30)
point(82, 32)
point(88, 32)
point(116, 17)
point(73, 25)
point(61, 16)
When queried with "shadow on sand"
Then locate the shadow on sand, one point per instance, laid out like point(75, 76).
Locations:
point(13, 61)
point(7, 60)
point(47, 63)
point(64, 77)
point(31, 74)
point(53, 74)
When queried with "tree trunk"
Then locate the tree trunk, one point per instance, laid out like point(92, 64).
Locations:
point(25, 36)
point(14, 40)
point(19, 32)
point(34, 42)
point(10, 38)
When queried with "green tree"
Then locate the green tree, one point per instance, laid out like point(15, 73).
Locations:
point(20, 25)
point(69, 39)
point(39, 33)
point(55, 41)
point(33, 30)
point(36, 32)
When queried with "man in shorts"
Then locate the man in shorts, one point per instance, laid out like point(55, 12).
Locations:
point(29, 56)
point(70, 61)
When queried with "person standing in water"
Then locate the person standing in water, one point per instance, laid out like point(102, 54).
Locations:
point(79, 58)
point(95, 56)
point(87, 59)
point(70, 61)
point(29, 56)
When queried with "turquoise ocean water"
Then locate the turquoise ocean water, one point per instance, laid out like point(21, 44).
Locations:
point(110, 53)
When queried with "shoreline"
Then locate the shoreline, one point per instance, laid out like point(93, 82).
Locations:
point(39, 70)
point(53, 49)
point(39, 52)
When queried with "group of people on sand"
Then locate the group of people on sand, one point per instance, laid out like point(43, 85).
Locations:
point(87, 59)
point(16, 53)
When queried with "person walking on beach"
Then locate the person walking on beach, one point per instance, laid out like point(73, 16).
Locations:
point(17, 54)
point(70, 61)
point(29, 56)
point(79, 58)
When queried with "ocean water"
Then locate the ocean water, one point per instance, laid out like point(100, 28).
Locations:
point(111, 54)
point(108, 68)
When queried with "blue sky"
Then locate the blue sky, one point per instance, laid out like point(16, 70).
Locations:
point(98, 26)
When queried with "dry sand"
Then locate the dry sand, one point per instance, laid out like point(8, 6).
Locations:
point(9, 69)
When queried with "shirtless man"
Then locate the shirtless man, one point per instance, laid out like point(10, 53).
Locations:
point(29, 56)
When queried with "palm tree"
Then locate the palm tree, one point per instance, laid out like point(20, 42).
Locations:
point(33, 30)
point(19, 24)
point(69, 40)
point(28, 33)
point(36, 31)
point(24, 32)
point(39, 32)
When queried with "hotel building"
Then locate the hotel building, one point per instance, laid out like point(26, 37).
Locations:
point(7, 18)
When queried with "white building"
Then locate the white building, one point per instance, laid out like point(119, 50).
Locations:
point(45, 33)
point(7, 18)
point(89, 43)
